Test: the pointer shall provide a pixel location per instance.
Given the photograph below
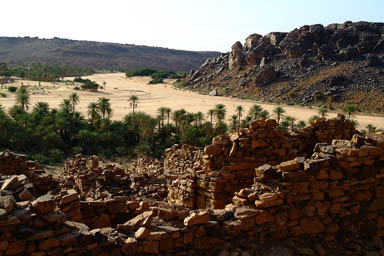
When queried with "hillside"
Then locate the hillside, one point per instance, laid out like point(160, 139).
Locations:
point(310, 65)
point(26, 50)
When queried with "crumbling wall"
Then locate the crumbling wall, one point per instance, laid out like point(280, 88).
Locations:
point(11, 163)
point(180, 167)
point(340, 188)
point(229, 162)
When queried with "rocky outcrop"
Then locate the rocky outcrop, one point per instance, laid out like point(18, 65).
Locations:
point(298, 61)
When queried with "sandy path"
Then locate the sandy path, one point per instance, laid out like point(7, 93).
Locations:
point(119, 88)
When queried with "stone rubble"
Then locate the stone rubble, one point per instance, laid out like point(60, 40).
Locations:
point(223, 200)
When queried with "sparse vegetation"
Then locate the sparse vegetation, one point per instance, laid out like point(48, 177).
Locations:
point(12, 88)
point(87, 84)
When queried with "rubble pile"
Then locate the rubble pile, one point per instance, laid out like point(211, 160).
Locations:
point(11, 163)
point(93, 181)
point(147, 179)
point(181, 165)
point(35, 226)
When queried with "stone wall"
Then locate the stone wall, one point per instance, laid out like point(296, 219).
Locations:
point(229, 162)
point(11, 163)
point(341, 187)
point(180, 167)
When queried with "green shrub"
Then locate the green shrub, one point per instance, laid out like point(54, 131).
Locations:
point(90, 85)
point(140, 72)
point(12, 89)
point(156, 81)
point(3, 95)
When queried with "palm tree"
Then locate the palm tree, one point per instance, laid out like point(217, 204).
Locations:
point(167, 112)
point(301, 124)
point(264, 114)
point(239, 110)
point(211, 112)
point(313, 118)
point(179, 116)
point(245, 122)
point(134, 100)
point(279, 113)
point(199, 118)
point(74, 98)
point(220, 112)
point(104, 107)
point(41, 108)
point(255, 111)
point(93, 112)
point(23, 97)
point(349, 109)
point(371, 128)
point(234, 122)
point(323, 111)
point(284, 125)
point(161, 112)
point(66, 106)
point(291, 120)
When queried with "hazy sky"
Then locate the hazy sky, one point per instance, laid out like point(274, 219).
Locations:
point(179, 24)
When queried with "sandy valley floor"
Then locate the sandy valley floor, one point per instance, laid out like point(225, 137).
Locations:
point(119, 88)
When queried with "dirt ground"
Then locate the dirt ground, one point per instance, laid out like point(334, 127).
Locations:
point(151, 97)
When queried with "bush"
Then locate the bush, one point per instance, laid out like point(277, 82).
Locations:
point(156, 81)
point(12, 89)
point(90, 85)
point(76, 88)
point(3, 95)
point(140, 72)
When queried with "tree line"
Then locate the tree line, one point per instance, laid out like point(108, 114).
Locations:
point(157, 76)
point(44, 72)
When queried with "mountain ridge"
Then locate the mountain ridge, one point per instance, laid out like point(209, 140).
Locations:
point(100, 55)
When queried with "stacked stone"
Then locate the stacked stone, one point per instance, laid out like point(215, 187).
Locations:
point(194, 232)
point(147, 179)
point(94, 181)
point(325, 130)
point(70, 205)
point(11, 163)
point(341, 185)
point(109, 212)
point(30, 226)
point(230, 161)
point(181, 165)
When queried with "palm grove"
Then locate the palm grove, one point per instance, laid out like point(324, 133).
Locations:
point(50, 134)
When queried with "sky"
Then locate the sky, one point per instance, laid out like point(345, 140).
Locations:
point(202, 25)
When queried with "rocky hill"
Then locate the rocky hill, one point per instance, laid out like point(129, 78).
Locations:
point(26, 50)
point(310, 65)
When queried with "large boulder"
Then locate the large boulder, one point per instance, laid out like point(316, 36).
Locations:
point(236, 58)
point(266, 76)
point(251, 41)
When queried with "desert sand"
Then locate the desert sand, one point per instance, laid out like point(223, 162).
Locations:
point(151, 97)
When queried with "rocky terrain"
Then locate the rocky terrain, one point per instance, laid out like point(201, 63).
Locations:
point(258, 191)
point(312, 64)
point(99, 55)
